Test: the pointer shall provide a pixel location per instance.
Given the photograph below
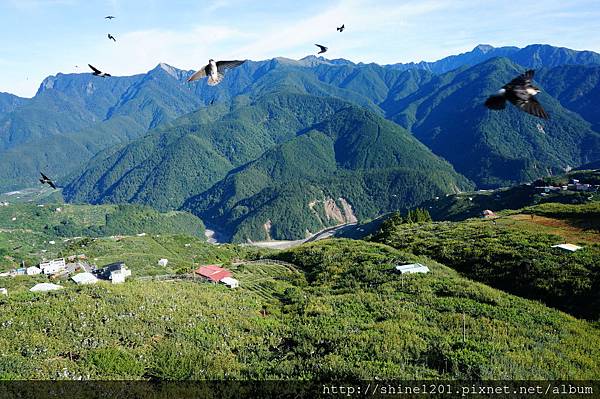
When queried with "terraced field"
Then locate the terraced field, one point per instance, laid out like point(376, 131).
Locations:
point(265, 280)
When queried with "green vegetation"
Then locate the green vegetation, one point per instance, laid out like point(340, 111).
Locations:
point(352, 156)
point(343, 315)
point(589, 211)
point(495, 148)
point(471, 204)
point(44, 232)
point(187, 157)
point(516, 260)
point(65, 220)
point(575, 87)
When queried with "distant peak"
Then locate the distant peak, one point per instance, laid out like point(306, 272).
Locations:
point(484, 48)
point(171, 70)
point(168, 68)
point(313, 60)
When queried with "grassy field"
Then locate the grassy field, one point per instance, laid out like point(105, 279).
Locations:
point(66, 220)
point(31, 233)
point(515, 255)
point(266, 280)
point(344, 315)
point(558, 227)
point(340, 312)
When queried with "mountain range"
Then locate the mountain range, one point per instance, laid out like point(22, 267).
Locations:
point(286, 147)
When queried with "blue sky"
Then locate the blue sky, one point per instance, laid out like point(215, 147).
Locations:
point(44, 37)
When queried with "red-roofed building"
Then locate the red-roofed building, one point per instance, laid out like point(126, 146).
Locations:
point(213, 272)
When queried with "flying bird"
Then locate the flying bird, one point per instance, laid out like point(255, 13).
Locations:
point(111, 37)
point(109, 17)
point(341, 28)
point(215, 71)
point(520, 92)
point(46, 180)
point(323, 48)
point(97, 72)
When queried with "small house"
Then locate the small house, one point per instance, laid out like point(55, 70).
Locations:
point(84, 278)
point(230, 282)
point(163, 262)
point(43, 287)
point(105, 272)
point(3, 291)
point(21, 271)
point(412, 268)
point(213, 273)
point(568, 247)
point(33, 270)
point(119, 276)
point(53, 266)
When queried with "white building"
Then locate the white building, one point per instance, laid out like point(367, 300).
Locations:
point(84, 278)
point(412, 268)
point(3, 291)
point(568, 247)
point(33, 270)
point(53, 266)
point(43, 287)
point(230, 282)
point(163, 262)
point(119, 276)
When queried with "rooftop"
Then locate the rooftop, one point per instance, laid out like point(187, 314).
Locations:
point(213, 272)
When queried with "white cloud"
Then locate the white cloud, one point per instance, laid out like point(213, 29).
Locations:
point(140, 51)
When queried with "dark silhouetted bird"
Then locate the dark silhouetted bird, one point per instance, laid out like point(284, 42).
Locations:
point(520, 92)
point(46, 180)
point(109, 17)
point(98, 72)
point(323, 48)
point(111, 37)
point(215, 71)
point(341, 28)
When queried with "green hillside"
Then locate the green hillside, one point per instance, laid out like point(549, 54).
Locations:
point(471, 204)
point(340, 315)
point(495, 148)
point(67, 220)
point(44, 231)
point(187, 157)
point(74, 116)
point(577, 88)
point(515, 254)
point(356, 163)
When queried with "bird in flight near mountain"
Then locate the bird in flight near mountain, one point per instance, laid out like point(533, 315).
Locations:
point(98, 72)
point(111, 37)
point(215, 71)
point(323, 48)
point(109, 17)
point(341, 28)
point(520, 92)
point(46, 180)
